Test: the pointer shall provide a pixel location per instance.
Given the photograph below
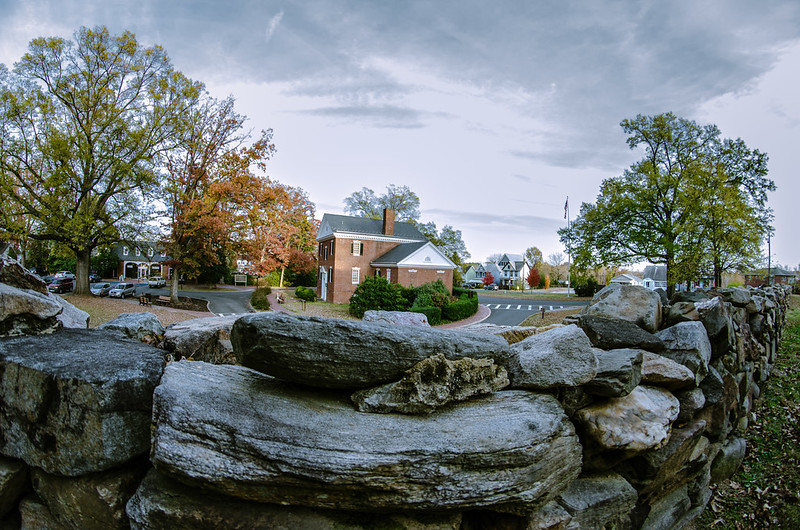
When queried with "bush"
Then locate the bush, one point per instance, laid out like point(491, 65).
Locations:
point(434, 314)
point(376, 293)
point(259, 298)
point(432, 294)
point(464, 307)
point(305, 293)
point(585, 286)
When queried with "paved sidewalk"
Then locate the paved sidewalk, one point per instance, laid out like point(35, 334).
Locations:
point(482, 314)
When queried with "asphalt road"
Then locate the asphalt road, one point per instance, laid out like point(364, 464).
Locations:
point(221, 303)
point(508, 311)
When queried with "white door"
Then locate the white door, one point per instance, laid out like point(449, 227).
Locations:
point(323, 282)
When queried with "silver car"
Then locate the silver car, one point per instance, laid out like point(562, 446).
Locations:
point(121, 290)
point(100, 289)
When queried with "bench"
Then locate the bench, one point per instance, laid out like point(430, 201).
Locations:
point(145, 301)
point(163, 300)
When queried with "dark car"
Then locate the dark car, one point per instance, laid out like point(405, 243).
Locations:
point(94, 278)
point(60, 285)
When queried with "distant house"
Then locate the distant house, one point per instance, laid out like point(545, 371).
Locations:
point(778, 275)
point(655, 277)
point(627, 279)
point(142, 259)
point(352, 248)
point(513, 269)
point(470, 274)
point(488, 268)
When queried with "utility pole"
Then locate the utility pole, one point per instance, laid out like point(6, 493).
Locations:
point(569, 246)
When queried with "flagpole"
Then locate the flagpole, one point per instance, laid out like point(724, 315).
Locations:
point(569, 247)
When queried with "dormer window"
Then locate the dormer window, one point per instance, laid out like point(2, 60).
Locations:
point(138, 251)
point(125, 251)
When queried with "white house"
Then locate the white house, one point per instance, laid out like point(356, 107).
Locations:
point(627, 279)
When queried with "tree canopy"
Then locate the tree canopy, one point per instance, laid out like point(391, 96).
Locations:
point(695, 203)
point(82, 124)
point(401, 199)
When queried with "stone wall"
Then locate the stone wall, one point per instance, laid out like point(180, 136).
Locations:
point(621, 418)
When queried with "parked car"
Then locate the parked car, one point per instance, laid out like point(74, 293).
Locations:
point(491, 287)
point(156, 281)
point(47, 279)
point(94, 278)
point(64, 274)
point(121, 290)
point(60, 285)
point(100, 289)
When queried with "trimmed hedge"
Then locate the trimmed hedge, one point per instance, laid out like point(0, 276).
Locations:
point(375, 292)
point(462, 308)
point(434, 314)
point(259, 298)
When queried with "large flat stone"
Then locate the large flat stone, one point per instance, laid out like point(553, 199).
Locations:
point(346, 354)
point(161, 502)
point(251, 436)
point(628, 302)
point(77, 401)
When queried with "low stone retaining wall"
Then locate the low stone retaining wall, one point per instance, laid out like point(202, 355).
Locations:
point(621, 418)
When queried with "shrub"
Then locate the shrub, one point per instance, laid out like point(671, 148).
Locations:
point(464, 307)
point(434, 314)
point(460, 291)
point(259, 298)
point(432, 294)
point(376, 293)
point(585, 286)
point(305, 293)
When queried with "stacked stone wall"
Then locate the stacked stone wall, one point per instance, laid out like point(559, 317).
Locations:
point(623, 417)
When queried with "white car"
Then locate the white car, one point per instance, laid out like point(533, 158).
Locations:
point(121, 290)
point(156, 281)
point(66, 275)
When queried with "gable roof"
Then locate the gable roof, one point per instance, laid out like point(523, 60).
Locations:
point(344, 224)
point(419, 254)
point(656, 273)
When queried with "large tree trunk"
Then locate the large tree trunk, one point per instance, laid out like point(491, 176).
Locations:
point(83, 262)
point(173, 285)
point(281, 282)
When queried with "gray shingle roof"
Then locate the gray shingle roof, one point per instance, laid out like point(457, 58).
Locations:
point(367, 226)
point(399, 253)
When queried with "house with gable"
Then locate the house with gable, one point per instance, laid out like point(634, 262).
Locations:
point(513, 268)
point(353, 248)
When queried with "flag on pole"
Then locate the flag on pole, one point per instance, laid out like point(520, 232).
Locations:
point(566, 207)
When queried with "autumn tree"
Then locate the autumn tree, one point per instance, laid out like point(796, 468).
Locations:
point(533, 257)
point(401, 199)
point(676, 205)
point(278, 229)
point(488, 279)
point(533, 278)
point(198, 188)
point(81, 126)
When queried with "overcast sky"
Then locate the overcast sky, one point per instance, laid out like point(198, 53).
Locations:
point(492, 112)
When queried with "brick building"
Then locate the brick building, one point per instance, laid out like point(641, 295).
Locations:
point(352, 248)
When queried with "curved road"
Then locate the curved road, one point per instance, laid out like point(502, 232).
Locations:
point(507, 311)
point(221, 303)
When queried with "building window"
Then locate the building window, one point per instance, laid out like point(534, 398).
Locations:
point(355, 248)
point(163, 253)
point(356, 272)
point(125, 251)
point(377, 273)
point(138, 251)
point(150, 252)
point(389, 275)
point(330, 274)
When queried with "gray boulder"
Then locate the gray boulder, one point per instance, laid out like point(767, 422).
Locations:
point(27, 312)
point(618, 373)
point(137, 326)
point(681, 312)
point(86, 404)
point(71, 317)
point(633, 423)
point(396, 318)
point(433, 383)
point(35, 514)
point(303, 447)
point(615, 333)
point(716, 316)
point(15, 275)
point(657, 370)
point(202, 339)
point(346, 354)
point(559, 357)
point(691, 401)
point(599, 501)
point(729, 459)
point(161, 502)
point(628, 302)
point(96, 500)
point(687, 344)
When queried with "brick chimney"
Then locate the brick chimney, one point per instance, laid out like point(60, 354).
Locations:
point(388, 221)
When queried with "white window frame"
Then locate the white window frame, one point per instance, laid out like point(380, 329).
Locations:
point(125, 251)
point(356, 248)
point(355, 275)
point(138, 251)
point(389, 275)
